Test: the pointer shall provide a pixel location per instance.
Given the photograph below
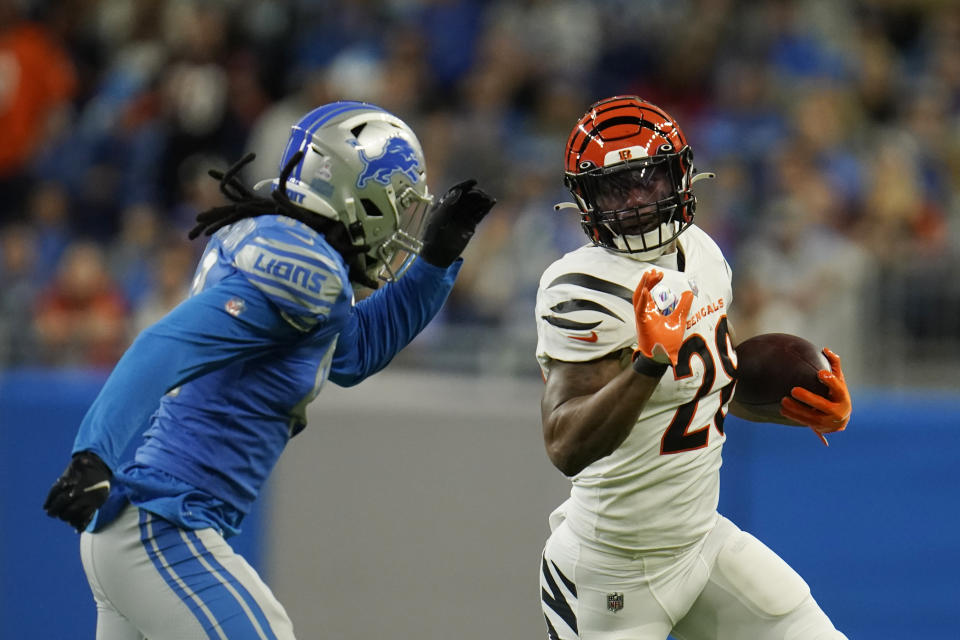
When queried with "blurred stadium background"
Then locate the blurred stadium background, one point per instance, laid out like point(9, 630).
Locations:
point(420, 503)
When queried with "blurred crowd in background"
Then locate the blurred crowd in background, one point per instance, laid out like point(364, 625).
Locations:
point(833, 127)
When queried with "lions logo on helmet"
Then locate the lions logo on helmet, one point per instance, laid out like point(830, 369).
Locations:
point(364, 167)
point(397, 155)
point(630, 170)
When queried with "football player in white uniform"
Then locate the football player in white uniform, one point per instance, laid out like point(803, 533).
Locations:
point(639, 362)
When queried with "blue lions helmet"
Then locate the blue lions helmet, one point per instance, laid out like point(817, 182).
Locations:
point(365, 168)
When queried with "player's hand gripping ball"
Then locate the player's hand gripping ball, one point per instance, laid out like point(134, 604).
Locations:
point(784, 376)
point(823, 414)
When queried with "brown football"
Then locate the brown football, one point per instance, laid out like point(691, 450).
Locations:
point(770, 365)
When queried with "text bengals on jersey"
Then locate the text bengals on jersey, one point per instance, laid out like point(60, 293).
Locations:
point(703, 312)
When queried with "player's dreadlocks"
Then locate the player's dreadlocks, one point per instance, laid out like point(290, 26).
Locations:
point(247, 204)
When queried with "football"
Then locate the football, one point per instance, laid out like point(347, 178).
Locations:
point(770, 365)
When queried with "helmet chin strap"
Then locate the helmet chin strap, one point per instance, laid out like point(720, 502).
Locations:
point(651, 237)
point(652, 254)
point(638, 240)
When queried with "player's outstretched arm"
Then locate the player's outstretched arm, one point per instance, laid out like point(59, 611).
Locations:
point(385, 322)
point(589, 408)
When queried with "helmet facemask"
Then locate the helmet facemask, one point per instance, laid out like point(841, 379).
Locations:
point(389, 260)
point(636, 206)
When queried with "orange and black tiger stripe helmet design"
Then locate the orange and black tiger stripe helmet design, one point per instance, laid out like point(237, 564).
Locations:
point(620, 134)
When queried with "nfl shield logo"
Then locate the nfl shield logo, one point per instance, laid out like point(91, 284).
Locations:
point(614, 602)
point(235, 306)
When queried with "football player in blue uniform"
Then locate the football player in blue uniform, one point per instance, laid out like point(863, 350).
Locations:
point(214, 390)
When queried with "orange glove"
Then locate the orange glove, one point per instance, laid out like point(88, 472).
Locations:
point(823, 415)
point(658, 336)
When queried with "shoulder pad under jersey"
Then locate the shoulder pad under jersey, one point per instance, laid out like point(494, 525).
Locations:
point(585, 306)
point(293, 266)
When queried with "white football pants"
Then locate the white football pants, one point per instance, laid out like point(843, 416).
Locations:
point(151, 579)
point(728, 586)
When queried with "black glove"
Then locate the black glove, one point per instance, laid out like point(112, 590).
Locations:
point(79, 491)
point(453, 221)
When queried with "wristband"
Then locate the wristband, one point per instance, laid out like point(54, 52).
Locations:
point(648, 367)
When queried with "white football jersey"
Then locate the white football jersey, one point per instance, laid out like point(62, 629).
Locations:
point(659, 489)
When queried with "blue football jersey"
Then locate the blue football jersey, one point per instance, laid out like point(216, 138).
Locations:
point(220, 384)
